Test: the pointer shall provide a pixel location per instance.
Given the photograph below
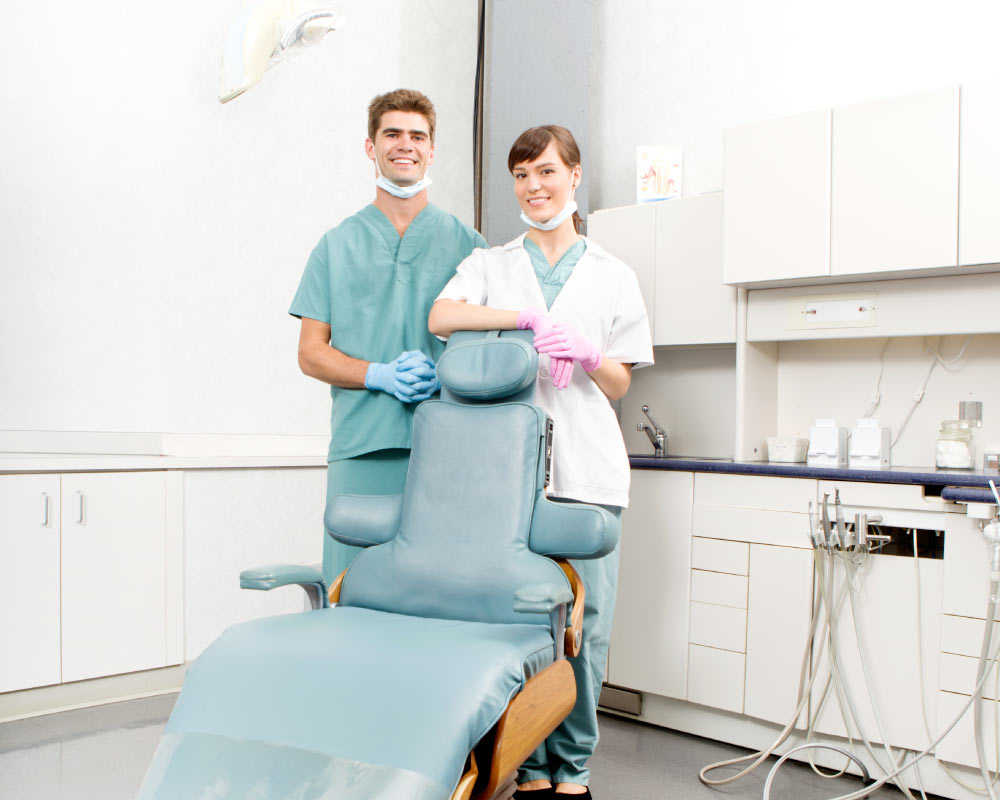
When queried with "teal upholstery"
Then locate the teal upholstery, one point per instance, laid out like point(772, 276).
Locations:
point(440, 621)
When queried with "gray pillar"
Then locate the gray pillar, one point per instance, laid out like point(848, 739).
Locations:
point(537, 72)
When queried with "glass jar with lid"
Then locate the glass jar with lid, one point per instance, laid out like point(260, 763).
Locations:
point(954, 445)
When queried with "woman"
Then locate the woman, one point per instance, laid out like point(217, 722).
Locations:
point(591, 329)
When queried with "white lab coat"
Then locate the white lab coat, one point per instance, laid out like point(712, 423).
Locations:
point(601, 300)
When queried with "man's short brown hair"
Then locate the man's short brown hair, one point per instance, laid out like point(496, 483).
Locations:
point(400, 100)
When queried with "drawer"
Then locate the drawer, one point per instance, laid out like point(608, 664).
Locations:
point(715, 678)
point(719, 555)
point(958, 675)
point(959, 746)
point(719, 588)
point(781, 528)
point(964, 636)
point(718, 626)
point(884, 495)
point(754, 491)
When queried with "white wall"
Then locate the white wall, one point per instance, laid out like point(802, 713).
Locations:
point(151, 239)
point(678, 72)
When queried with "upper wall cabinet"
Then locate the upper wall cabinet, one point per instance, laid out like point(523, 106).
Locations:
point(675, 248)
point(895, 184)
point(979, 170)
point(777, 199)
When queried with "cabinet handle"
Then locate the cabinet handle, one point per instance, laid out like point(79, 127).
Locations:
point(45, 509)
point(79, 495)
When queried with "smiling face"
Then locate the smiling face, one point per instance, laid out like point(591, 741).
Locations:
point(402, 148)
point(544, 186)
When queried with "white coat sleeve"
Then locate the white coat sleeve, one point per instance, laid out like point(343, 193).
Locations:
point(469, 281)
point(630, 341)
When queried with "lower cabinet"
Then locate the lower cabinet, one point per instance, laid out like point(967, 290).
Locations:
point(89, 579)
point(649, 640)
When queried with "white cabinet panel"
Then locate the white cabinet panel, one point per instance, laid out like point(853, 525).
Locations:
point(754, 491)
point(649, 640)
point(966, 568)
point(777, 206)
point(959, 746)
point(629, 233)
point(29, 581)
point(895, 184)
point(979, 170)
point(113, 573)
point(718, 555)
point(778, 616)
point(718, 588)
point(692, 306)
point(719, 626)
point(781, 528)
point(716, 678)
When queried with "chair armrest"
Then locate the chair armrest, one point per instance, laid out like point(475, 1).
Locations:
point(271, 576)
point(572, 530)
point(541, 598)
point(363, 520)
point(547, 598)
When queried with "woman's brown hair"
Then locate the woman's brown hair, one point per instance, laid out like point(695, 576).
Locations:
point(532, 143)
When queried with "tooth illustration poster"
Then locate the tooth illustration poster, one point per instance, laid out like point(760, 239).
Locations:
point(658, 173)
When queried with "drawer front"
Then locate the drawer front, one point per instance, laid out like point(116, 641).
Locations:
point(963, 636)
point(719, 626)
point(754, 491)
point(715, 678)
point(718, 588)
point(719, 555)
point(958, 675)
point(780, 528)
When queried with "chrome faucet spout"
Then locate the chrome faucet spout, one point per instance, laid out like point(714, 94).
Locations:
point(656, 435)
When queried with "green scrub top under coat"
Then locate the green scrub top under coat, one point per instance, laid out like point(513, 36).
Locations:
point(375, 290)
point(552, 278)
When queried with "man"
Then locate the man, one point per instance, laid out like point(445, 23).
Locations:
point(364, 299)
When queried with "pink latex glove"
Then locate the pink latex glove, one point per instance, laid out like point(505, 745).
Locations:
point(537, 321)
point(562, 371)
point(565, 342)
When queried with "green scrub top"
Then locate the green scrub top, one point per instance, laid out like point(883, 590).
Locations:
point(551, 279)
point(375, 290)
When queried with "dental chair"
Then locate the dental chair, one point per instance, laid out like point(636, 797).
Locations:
point(436, 663)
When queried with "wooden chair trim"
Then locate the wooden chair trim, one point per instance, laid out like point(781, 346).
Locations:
point(465, 786)
point(544, 702)
point(574, 628)
point(334, 593)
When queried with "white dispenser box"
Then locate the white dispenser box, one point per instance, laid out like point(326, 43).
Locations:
point(827, 444)
point(870, 444)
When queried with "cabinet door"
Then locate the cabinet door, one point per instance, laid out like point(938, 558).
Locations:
point(693, 306)
point(29, 581)
point(979, 170)
point(777, 199)
point(649, 640)
point(779, 610)
point(113, 573)
point(629, 233)
point(895, 184)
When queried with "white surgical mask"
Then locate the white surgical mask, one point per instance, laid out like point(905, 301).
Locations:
point(403, 192)
point(555, 222)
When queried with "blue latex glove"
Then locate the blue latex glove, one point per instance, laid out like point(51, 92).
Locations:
point(410, 377)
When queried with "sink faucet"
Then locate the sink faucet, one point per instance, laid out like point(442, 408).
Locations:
point(656, 435)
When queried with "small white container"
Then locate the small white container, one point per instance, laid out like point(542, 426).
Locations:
point(954, 448)
point(787, 449)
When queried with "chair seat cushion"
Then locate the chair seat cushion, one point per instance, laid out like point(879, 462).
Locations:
point(384, 690)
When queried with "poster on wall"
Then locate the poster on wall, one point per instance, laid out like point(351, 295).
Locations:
point(658, 173)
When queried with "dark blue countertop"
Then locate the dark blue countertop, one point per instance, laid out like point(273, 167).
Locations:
point(976, 482)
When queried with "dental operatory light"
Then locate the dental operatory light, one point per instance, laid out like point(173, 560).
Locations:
point(265, 33)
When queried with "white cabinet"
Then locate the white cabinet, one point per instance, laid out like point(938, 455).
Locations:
point(649, 640)
point(777, 199)
point(895, 184)
point(692, 304)
point(979, 175)
point(90, 576)
point(113, 576)
point(675, 248)
point(29, 581)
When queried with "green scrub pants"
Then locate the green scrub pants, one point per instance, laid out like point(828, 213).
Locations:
point(563, 757)
point(380, 472)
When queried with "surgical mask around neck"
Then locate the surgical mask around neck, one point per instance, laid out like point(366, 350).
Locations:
point(555, 222)
point(402, 192)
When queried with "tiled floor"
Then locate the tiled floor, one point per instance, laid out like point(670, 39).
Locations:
point(101, 753)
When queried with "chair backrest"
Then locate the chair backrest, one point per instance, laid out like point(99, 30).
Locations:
point(477, 471)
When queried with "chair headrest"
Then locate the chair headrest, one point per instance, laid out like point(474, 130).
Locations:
point(488, 365)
